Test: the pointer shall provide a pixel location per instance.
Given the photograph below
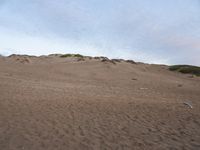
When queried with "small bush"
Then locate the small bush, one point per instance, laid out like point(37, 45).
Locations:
point(116, 60)
point(66, 55)
point(131, 61)
point(108, 60)
point(71, 55)
point(187, 69)
point(78, 55)
point(97, 58)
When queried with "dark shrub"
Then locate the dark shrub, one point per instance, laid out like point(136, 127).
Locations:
point(78, 55)
point(107, 60)
point(116, 60)
point(66, 55)
point(187, 69)
point(72, 55)
point(131, 61)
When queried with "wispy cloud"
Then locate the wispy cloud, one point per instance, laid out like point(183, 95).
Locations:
point(156, 31)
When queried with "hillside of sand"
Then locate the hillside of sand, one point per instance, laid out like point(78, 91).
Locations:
point(54, 103)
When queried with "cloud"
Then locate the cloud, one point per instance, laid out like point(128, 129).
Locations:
point(156, 31)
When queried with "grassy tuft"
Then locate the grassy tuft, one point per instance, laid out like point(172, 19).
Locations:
point(78, 55)
point(187, 69)
point(71, 55)
point(66, 55)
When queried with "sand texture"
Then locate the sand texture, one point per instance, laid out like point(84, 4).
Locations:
point(53, 103)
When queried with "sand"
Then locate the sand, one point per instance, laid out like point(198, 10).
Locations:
point(53, 103)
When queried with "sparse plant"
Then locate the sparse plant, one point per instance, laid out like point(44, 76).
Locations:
point(186, 69)
point(72, 55)
point(66, 55)
point(78, 55)
point(131, 61)
point(116, 60)
point(105, 59)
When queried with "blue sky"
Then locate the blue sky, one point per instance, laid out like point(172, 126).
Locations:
point(152, 31)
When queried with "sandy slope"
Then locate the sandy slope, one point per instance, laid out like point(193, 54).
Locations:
point(53, 103)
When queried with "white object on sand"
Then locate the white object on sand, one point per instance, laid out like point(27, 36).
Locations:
point(188, 104)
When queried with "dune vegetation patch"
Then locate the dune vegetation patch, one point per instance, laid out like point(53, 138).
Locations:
point(131, 61)
point(72, 55)
point(186, 69)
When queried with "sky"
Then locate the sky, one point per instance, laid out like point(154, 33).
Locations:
point(151, 31)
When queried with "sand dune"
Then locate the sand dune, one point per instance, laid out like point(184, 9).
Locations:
point(53, 103)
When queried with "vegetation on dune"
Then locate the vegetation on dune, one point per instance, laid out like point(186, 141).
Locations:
point(187, 69)
point(107, 60)
point(131, 61)
point(101, 58)
point(72, 55)
point(78, 55)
